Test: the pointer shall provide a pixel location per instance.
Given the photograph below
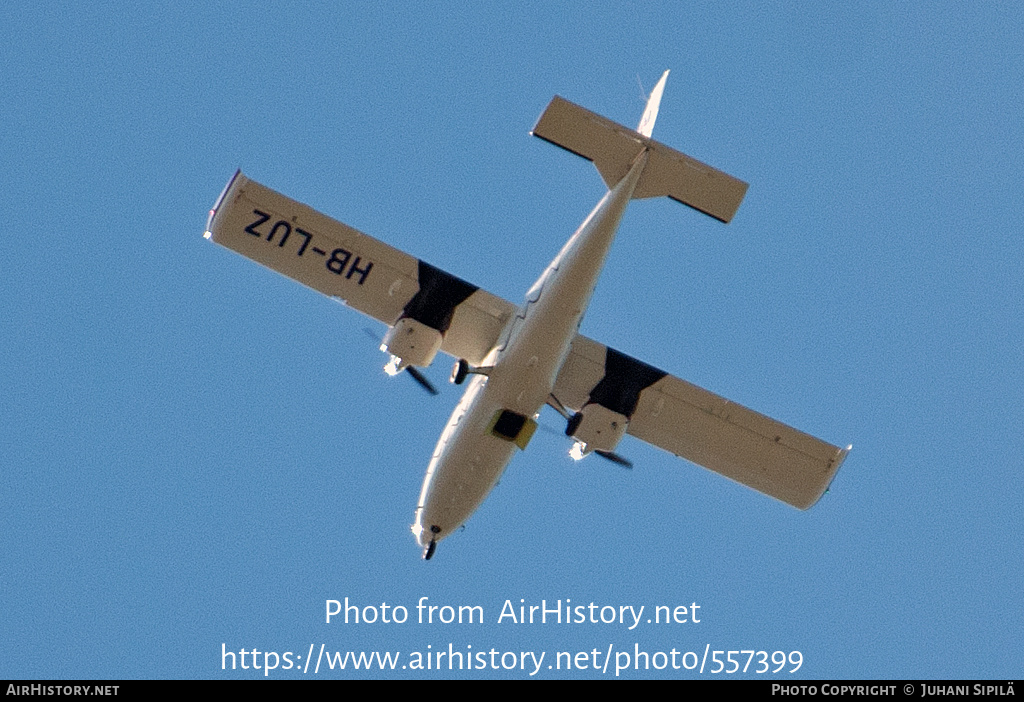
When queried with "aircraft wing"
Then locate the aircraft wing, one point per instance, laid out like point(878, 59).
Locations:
point(698, 425)
point(386, 284)
point(345, 264)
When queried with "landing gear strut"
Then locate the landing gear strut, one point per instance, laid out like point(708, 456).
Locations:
point(461, 369)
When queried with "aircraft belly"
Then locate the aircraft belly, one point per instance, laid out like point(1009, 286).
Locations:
point(465, 467)
point(469, 458)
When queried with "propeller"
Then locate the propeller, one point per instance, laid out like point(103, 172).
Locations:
point(411, 370)
point(569, 417)
point(615, 458)
point(421, 379)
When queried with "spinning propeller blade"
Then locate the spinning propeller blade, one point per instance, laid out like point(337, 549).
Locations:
point(421, 379)
point(615, 458)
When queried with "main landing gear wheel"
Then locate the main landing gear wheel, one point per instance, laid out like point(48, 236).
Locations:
point(459, 371)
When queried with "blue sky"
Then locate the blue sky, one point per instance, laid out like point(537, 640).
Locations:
point(198, 452)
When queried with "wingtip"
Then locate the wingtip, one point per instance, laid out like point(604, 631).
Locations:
point(840, 457)
point(836, 463)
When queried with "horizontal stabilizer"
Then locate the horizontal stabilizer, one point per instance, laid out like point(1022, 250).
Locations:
point(613, 148)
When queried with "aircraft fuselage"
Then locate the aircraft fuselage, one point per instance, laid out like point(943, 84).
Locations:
point(472, 453)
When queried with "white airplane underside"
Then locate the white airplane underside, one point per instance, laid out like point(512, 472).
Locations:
point(519, 358)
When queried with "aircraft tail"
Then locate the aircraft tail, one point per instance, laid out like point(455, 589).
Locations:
point(613, 148)
point(646, 126)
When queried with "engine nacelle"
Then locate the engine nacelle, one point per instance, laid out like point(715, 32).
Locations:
point(597, 428)
point(412, 343)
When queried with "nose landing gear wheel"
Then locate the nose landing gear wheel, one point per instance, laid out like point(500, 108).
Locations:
point(429, 551)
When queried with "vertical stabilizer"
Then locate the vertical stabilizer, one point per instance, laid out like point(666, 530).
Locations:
point(646, 126)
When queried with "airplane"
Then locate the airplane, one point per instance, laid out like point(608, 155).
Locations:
point(519, 358)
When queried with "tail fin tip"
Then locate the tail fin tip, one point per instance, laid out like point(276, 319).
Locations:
point(646, 126)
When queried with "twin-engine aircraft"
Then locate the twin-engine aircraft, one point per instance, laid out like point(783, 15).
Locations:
point(519, 358)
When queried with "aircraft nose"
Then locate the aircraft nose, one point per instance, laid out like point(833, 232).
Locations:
point(424, 535)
